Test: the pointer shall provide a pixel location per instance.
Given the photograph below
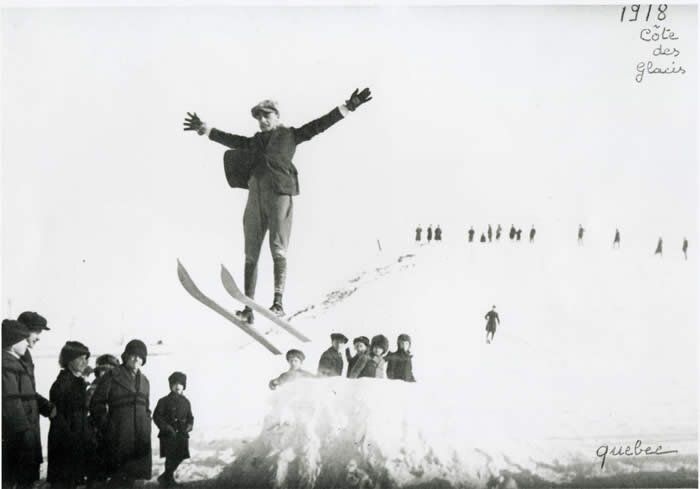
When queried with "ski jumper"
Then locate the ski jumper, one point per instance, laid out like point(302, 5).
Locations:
point(267, 171)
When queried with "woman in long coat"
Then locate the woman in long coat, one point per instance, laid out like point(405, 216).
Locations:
point(120, 411)
point(70, 435)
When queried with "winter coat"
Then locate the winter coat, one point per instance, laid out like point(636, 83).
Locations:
point(173, 417)
point(71, 437)
point(493, 319)
point(438, 234)
point(430, 233)
point(368, 365)
point(330, 364)
point(120, 410)
point(270, 152)
point(418, 233)
point(21, 441)
point(400, 366)
point(45, 406)
point(290, 376)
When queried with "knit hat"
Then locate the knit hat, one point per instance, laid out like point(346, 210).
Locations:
point(403, 337)
point(70, 351)
point(13, 332)
point(295, 354)
point(381, 341)
point(33, 321)
point(107, 360)
point(178, 378)
point(265, 106)
point(361, 339)
point(135, 347)
point(339, 337)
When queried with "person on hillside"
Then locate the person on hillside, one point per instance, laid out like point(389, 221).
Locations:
point(263, 165)
point(295, 358)
point(361, 344)
point(482, 239)
point(489, 233)
point(499, 229)
point(659, 247)
point(616, 240)
point(429, 233)
point(685, 248)
point(400, 363)
point(580, 235)
point(511, 233)
point(331, 362)
point(533, 231)
point(174, 419)
point(471, 234)
point(438, 233)
point(419, 231)
point(492, 320)
point(518, 234)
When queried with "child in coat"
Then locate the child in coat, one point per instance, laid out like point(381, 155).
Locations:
point(400, 363)
point(71, 438)
point(173, 416)
point(361, 344)
point(296, 359)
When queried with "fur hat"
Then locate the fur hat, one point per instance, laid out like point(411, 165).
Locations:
point(33, 321)
point(178, 378)
point(361, 339)
point(265, 106)
point(13, 332)
point(339, 337)
point(70, 351)
point(380, 341)
point(403, 337)
point(295, 354)
point(135, 347)
point(107, 360)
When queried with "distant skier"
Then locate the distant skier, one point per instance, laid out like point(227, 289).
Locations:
point(361, 344)
point(492, 320)
point(471, 234)
point(498, 232)
point(533, 231)
point(482, 239)
point(400, 363)
point(580, 235)
point(659, 247)
point(489, 233)
point(511, 233)
point(331, 362)
point(263, 165)
point(685, 248)
point(438, 233)
point(616, 240)
point(430, 233)
point(419, 231)
point(296, 359)
point(518, 233)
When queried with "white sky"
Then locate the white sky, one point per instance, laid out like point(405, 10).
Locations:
point(526, 115)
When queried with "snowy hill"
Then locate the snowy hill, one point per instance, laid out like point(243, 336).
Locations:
point(595, 348)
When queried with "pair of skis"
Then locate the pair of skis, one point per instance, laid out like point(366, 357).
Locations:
point(235, 292)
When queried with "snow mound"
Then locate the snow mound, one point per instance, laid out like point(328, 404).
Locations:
point(314, 429)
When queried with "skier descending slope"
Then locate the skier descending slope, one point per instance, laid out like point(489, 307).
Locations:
point(263, 165)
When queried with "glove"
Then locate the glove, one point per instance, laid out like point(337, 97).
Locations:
point(358, 98)
point(194, 123)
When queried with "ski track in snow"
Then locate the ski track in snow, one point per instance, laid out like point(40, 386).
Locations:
point(583, 351)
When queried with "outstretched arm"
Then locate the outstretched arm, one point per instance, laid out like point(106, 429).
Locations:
point(313, 128)
point(194, 123)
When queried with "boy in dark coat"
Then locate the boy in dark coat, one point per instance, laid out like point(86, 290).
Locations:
point(399, 363)
point(331, 362)
point(173, 416)
point(21, 445)
point(70, 435)
point(120, 411)
point(295, 372)
point(361, 344)
point(263, 165)
point(372, 365)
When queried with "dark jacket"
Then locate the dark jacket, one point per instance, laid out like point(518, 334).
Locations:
point(368, 365)
point(438, 234)
point(270, 152)
point(330, 364)
point(290, 376)
point(399, 366)
point(70, 436)
point(492, 319)
point(120, 410)
point(21, 443)
point(45, 406)
point(173, 417)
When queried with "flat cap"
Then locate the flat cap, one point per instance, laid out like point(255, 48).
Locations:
point(265, 106)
